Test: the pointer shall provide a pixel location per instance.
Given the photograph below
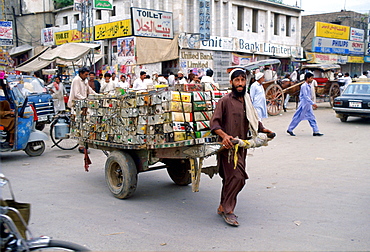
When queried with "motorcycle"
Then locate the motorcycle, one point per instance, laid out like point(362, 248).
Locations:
point(15, 234)
point(21, 117)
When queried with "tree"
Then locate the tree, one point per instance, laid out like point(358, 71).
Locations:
point(62, 3)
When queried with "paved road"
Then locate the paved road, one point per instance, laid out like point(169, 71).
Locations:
point(304, 193)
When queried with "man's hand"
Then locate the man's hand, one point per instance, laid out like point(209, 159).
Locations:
point(314, 106)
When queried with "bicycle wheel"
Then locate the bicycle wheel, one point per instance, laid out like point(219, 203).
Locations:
point(62, 143)
point(55, 245)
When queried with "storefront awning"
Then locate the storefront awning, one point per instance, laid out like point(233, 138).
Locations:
point(19, 50)
point(153, 50)
point(33, 64)
point(69, 51)
point(80, 62)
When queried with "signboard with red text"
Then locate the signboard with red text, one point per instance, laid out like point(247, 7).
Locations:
point(152, 23)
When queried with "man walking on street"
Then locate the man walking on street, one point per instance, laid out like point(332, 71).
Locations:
point(258, 96)
point(305, 108)
point(234, 117)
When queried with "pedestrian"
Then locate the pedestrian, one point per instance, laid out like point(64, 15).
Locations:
point(108, 85)
point(181, 78)
point(191, 75)
point(114, 79)
point(258, 96)
point(80, 90)
point(363, 76)
point(233, 117)
point(305, 108)
point(140, 83)
point(93, 83)
point(123, 83)
point(58, 91)
point(208, 78)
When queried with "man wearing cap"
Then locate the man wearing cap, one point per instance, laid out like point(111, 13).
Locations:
point(181, 78)
point(258, 96)
point(139, 83)
point(234, 117)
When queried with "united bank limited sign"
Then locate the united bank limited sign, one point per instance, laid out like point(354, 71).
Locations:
point(216, 43)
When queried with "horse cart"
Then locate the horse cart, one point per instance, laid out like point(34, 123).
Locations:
point(326, 85)
point(274, 91)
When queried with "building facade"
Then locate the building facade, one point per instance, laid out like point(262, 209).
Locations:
point(349, 52)
point(28, 18)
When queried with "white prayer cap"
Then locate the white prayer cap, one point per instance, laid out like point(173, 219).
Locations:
point(236, 69)
point(259, 76)
point(179, 72)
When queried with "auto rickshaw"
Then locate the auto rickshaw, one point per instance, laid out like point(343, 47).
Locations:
point(17, 123)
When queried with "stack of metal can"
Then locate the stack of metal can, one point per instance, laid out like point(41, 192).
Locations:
point(138, 118)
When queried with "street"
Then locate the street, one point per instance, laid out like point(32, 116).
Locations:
point(305, 193)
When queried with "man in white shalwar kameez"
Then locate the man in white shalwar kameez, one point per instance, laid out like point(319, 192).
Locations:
point(258, 96)
point(305, 108)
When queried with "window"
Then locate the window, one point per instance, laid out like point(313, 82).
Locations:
point(276, 24)
point(76, 17)
point(240, 18)
point(98, 15)
point(255, 20)
point(113, 12)
point(65, 20)
point(288, 26)
point(115, 49)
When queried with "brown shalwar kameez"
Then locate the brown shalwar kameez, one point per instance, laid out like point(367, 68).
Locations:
point(230, 116)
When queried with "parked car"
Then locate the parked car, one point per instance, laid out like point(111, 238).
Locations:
point(37, 95)
point(354, 101)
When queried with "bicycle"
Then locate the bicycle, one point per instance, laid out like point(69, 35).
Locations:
point(14, 229)
point(59, 131)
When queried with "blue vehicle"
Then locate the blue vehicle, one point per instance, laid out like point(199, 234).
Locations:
point(17, 124)
point(37, 95)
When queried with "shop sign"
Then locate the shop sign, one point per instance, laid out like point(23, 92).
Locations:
point(218, 44)
point(328, 30)
point(6, 33)
point(357, 34)
point(103, 4)
point(325, 58)
point(367, 59)
point(337, 46)
point(5, 59)
point(70, 36)
point(152, 23)
point(117, 29)
point(195, 59)
point(355, 59)
point(47, 36)
point(254, 47)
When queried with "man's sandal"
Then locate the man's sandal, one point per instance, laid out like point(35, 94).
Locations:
point(230, 219)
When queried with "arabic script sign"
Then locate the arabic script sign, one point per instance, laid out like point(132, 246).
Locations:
point(152, 23)
point(328, 30)
point(113, 30)
point(103, 4)
point(69, 36)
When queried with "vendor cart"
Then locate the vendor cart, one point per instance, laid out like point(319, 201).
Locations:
point(274, 92)
point(150, 130)
point(183, 161)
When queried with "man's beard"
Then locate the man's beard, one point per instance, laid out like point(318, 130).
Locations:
point(237, 93)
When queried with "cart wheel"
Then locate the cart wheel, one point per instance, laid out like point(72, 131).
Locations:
point(34, 149)
point(334, 91)
point(121, 174)
point(274, 99)
point(178, 170)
